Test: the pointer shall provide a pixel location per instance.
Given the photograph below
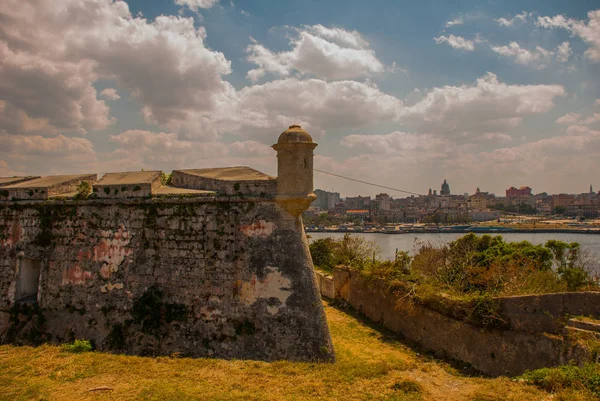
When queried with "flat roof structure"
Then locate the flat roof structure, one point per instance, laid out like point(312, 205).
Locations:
point(238, 173)
point(130, 178)
point(169, 190)
point(45, 187)
point(4, 181)
point(132, 184)
point(51, 181)
point(229, 181)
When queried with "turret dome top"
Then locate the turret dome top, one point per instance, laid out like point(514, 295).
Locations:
point(294, 134)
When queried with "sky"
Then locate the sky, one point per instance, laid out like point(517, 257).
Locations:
point(487, 94)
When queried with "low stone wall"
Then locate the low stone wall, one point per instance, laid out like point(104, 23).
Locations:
point(325, 284)
point(492, 351)
point(547, 313)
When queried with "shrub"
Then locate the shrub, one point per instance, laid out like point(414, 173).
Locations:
point(470, 266)
point(84, 189)
point(566, 377)
point(78, 346)
point(407, 387)
point(488, 264)
point(352, 251)
point(166, 179)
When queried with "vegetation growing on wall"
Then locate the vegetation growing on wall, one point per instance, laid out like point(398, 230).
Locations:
point(152, 313)
point(166, 179)
point(84, 190)
point(464, 277)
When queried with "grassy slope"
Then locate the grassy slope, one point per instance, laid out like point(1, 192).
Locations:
point(371, 365)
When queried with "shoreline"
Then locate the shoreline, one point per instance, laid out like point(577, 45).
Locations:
point(481, 230)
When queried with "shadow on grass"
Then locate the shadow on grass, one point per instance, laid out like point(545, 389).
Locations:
point(387, 336)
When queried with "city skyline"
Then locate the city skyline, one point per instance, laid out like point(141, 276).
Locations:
point(498, 93)
point(437, 191)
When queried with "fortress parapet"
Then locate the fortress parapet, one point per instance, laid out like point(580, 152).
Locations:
point(216, 263)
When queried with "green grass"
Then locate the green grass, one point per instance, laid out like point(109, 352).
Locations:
point(585, 379)
point(371, 364)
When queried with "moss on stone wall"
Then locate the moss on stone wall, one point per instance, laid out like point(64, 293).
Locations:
point(152, 313)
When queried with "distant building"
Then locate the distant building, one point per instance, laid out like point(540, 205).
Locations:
point(360, 213)
point(383, 201)
point(480, 200)
point(445, 189)
point(521, 192)
point(326, 200)
point(358, 202)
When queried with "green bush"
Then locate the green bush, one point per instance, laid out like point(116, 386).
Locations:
point(78, 347)
point(566, 377)
point(470, 266)
point(84, 189)
point(166, 179)
point(351, 250)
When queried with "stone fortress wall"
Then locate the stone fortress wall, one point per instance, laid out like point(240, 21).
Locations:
point(540, 330)
point(212, 265)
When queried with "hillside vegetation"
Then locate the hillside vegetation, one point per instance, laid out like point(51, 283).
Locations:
point(371, 365)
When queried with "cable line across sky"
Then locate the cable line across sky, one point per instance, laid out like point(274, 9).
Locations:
point(366, 182)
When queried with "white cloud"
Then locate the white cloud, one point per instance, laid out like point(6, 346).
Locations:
point(457, 42)
point(588, 31)
point(110, 94)
point(536, 57)
point(396, 142)
point(146, 149)
point(36, 154)
point(593, 119)
point(328, 53)
point(574, 119)
point(52, 52)
point(456, 21)
point(314, 103)
point(563, 52)
point(489, 106)
point(522, 17)
point(195, 5)
point(41, 95)
point(570, 118)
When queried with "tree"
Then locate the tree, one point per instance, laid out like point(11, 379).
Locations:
point(559, 210)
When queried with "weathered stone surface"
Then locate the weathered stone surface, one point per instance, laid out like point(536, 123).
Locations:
point(508, 351)
point(169, 190)
point(547, 312)
point(233, 181)
point(201, 276)
point(138, 184)
point(4, 181)
point(45, 187)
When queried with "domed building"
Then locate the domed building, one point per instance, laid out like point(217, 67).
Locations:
point(445, 189)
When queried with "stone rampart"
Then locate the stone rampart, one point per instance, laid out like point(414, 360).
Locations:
point(211, 276)
point(139, 184)
point(547, 313)
point(232, 181)
point(508, 351)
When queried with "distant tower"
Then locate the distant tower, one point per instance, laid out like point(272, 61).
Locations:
point(445, 188)
point(429, 191)
point(591, 189)
point(295, 170)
